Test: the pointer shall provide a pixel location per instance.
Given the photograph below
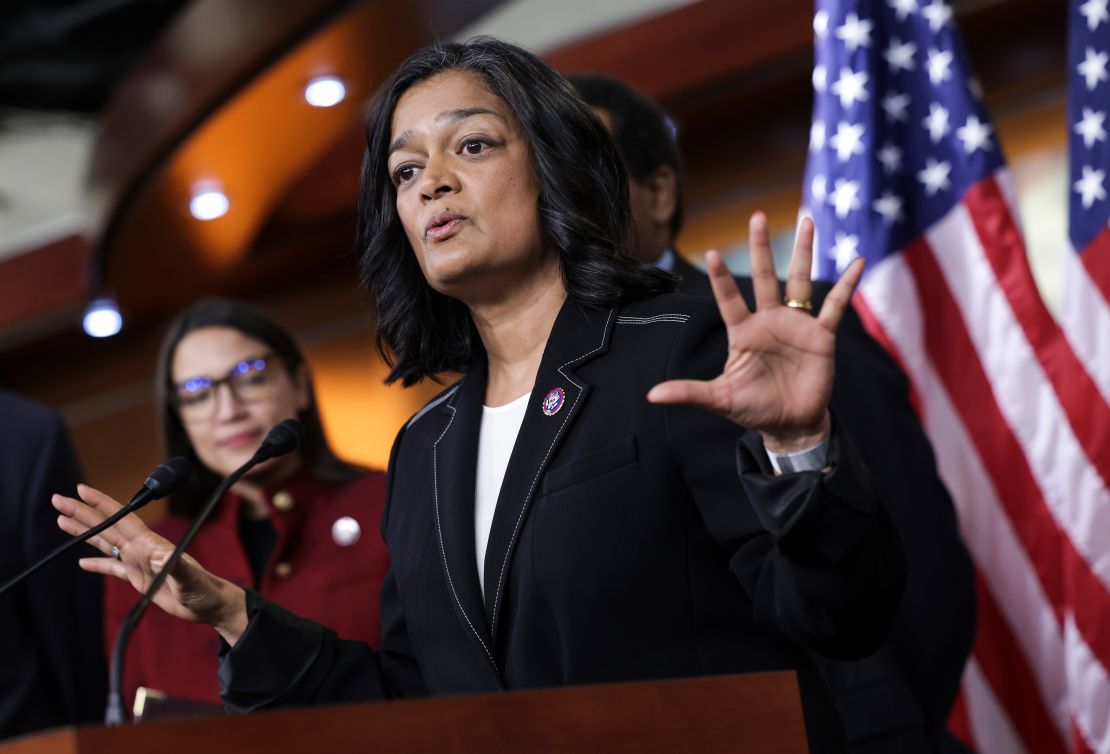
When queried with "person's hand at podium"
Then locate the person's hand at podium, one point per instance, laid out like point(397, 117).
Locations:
point(135, 554)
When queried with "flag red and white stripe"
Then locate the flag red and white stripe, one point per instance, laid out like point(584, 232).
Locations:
point(1033, 502)
point(1017, 411)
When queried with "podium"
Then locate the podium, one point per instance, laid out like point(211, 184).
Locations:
point(756, 713)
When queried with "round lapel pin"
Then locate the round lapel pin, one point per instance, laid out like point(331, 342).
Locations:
point(554, 401)
point(345, 531)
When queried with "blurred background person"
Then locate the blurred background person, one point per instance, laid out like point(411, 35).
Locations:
point(899, 698)
point(302, 529)
point(51, 667)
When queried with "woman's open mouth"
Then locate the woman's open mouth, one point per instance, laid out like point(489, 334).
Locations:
point(443, 225)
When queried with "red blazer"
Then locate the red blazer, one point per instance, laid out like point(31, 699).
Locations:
point(314, 570)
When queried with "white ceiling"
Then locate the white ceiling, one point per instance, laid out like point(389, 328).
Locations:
point(43, 159)
point(541, 25)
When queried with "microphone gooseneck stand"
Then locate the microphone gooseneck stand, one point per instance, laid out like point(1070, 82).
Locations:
point(283, 438)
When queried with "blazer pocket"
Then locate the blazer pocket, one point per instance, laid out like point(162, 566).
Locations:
point(591, 465)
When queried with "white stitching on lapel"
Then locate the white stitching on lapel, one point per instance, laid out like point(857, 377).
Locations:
point(531, 489)
point(653, 320)
point(443, 549)
point(432, 405)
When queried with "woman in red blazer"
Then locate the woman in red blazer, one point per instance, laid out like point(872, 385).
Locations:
point(302, 529)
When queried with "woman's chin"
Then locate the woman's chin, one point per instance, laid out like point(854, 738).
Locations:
point(453, 271)
point(449, 273)
point(477, 285)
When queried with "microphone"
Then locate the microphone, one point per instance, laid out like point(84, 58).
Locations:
point(283, 438)
point(165, 479)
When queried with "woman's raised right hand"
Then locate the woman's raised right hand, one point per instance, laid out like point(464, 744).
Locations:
point(191, 592)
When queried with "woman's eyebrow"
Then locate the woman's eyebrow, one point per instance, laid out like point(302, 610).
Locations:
point(450, 116)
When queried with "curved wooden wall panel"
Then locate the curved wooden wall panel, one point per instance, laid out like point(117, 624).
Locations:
point(253, 136)
point(257, 145)
point(209, 53)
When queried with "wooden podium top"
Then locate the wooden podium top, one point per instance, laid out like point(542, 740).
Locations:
point(757, 713)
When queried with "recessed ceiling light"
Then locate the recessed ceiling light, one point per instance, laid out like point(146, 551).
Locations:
point(102, 318)
point(325, 91)
point(208, 204)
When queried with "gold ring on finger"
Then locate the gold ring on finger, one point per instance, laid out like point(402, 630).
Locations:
point(797, 303)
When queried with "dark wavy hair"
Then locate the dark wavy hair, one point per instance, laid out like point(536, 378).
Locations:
point(316, 455)
point(645, 135)
point(583, 207)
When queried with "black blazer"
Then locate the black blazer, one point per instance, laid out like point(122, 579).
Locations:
point(51, 650)
point(897, 699)
point(624, 544)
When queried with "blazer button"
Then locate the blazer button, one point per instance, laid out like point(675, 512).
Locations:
point(283, 570)
point(283, 501)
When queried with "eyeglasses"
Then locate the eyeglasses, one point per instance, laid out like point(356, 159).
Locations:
point(250, 381)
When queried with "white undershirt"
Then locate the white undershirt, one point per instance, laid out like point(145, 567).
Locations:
point(496, 438)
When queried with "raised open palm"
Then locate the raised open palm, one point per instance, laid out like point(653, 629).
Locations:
point(778, 374)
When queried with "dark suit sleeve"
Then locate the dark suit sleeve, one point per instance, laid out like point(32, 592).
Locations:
point(934, 627)
point(816, 552)
point(67, 610)
point(55, 633)
point(935, 624)
point(285, 660)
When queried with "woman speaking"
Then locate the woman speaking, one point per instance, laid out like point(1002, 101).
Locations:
point(619, 487)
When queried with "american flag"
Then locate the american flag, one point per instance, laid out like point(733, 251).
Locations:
point(906, 170)
point(1084, 312)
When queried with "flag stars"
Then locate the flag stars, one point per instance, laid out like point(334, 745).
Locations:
point(1093, 68)
point(894, 105)
point(891, 158)
point(974, 135)
point(1090, 127)
point(845, 197)
point(890, 207)
point(935, 176)
point(821, 23)
point(903, 8)
point(848, 140)
point(846, 249)
point(820, 78)
point(817, 136)
point(855, 32)
point(850, 87)
point(819, 188)
point(1089, 187)
point(937, 122)
point(899, 56)
point(1095, 12)
point(938, 14)
point(939, 63)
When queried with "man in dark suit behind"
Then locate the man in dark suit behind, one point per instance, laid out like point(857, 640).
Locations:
point(51, 652)
point(898, 699)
